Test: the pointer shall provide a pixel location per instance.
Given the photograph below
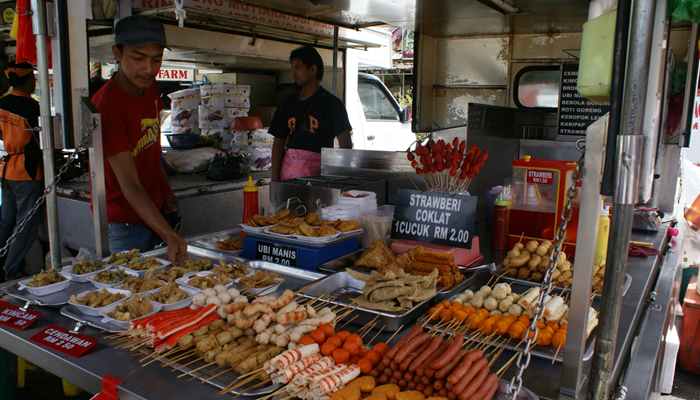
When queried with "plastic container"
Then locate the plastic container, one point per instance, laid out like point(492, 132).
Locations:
point(501, 221)
point(689, 356)
point(377, 225)
point(668, 365)
point(596, 59)
point(250, 200)
point(601, 249)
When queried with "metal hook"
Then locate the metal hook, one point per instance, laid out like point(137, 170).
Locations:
point(77, 327)
point(26, 305)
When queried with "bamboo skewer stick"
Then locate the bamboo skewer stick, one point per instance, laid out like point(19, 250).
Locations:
point(238, 384)
point(207, 365)
point(349, 321)
point(197, 359)
point(379, 331)
point(394, 334)
point(507, 365)
point(184, 356)
point(556, 354)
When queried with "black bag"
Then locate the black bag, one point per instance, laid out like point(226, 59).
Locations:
point(33, 157)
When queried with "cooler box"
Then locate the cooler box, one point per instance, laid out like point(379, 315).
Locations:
point(689, 355)
point(295, 255)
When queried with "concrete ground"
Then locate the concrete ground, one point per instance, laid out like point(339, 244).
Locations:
point(686, 386)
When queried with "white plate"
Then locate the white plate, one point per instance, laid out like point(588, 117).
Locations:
point(67, 271)
point(163, 264)
point(253, 229)
point(126, 324)
point(101, 285)
point(44, 290)
point(183, 281)
point(95, 311)
point(180, 304)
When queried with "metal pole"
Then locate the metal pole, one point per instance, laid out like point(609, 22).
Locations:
point(652, 109)
point(47, 146)
point(590, 200)
point(629, 147)
point(63, 69)
point(335, 60)
point(622, 27)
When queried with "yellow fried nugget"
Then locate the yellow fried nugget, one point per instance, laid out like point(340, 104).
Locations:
point(364, 383)
point(347, 393)
point(389, 390)
point(410, 395)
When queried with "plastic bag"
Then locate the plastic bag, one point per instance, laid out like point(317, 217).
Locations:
point(686, 10)
point(190, 161)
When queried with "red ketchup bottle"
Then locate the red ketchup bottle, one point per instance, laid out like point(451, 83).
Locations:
point(250, 200)
point(501, 221)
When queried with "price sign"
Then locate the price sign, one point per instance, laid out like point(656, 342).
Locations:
point(439, 218)
point(14, 317)
point(59, 339)
point(575, 112)
point(274, 253)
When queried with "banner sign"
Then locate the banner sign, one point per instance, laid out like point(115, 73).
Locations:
point(439, 218)
point(12, 316)
point(274, 253)
point(59, 339)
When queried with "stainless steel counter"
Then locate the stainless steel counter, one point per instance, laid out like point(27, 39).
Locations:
point(542, 377)
point(205, 206)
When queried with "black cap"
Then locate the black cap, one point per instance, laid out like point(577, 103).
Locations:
point(22, 65)
point(137, 30)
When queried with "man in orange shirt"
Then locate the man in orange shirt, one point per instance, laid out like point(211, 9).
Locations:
point(22, 177)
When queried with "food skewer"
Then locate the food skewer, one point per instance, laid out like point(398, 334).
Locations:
point(349, 321)
point(507, 365)
point(395, 333)
point(207, 365)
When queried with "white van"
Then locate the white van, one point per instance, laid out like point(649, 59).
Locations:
point(378, 121)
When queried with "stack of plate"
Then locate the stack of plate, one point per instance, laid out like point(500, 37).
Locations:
point(351, 205)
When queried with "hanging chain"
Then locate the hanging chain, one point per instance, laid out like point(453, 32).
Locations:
point(523, 360)
point(22, 223)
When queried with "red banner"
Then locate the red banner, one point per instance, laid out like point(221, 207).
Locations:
point(14, 317)
point(59, 339)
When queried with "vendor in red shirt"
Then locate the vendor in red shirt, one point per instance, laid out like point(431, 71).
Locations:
point(138, 194)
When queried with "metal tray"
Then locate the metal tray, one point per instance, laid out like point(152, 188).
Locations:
point(547, 353)
point(294, 278)
point(96, 322)
point(208, 242)
point(342, 263)
point(495, 271)
point(52, 300)
point(344, 287)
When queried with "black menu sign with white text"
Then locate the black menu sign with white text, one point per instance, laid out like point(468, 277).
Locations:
point(439, 218)
point(575, 112)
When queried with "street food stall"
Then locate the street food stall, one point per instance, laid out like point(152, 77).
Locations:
point(500, 256)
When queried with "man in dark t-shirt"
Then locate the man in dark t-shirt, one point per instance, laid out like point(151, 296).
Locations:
point(19, 101)
point(307, 121)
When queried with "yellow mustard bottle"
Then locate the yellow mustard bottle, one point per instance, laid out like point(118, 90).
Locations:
point(601, 249)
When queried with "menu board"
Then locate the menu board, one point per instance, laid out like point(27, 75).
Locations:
point(274, 253)
point(14, 317)
point(59, 339)
point(575, 112)
point(440, 218)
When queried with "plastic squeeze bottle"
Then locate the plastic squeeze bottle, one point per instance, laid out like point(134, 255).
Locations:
point(601, 249)
point(250, 200)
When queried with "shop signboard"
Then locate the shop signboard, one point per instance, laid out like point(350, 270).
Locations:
point(275, 253)
point(575, 112)
point(173, 74)
point(59, 339)
point(244, 12)
point(12, 316)
point(438, 218)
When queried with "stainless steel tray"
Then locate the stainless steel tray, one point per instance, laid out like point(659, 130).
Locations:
point(538, 351)
point(342, 263)
point(208, 241)
point(343, 288)
point(73, 313)
point(495, 271)
point(294, 278)
point(51, 300)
